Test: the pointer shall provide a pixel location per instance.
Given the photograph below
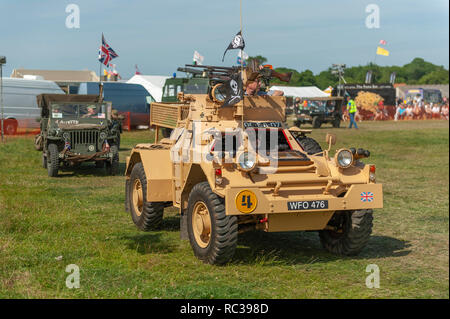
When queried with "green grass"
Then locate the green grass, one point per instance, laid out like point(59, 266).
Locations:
point(80, 216)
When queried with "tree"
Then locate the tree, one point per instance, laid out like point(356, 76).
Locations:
point(259, 58)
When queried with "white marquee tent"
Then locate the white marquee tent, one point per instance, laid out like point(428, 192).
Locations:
point(152, 83)
point(301, 91)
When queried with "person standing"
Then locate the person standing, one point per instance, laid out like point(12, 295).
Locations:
point(351, 108)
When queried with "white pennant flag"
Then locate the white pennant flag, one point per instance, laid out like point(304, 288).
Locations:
point(198, 58)
point(244, 55)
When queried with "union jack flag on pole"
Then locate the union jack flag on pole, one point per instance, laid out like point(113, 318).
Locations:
point(106, 53)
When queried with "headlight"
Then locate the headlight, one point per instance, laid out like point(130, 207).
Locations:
point(66, 135)
point(247, 161)
point(344, 158)
point(103, 135)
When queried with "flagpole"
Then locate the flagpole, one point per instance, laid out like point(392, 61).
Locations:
point(242, 63)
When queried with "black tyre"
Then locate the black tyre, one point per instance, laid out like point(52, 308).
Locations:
point(112, 166)
point(146, 215)
point(52, 160)
point(351, 234)
point(309, 145)
point(213, 235)
point(166, 132)
point(44, 161)
point(316, 122)
point(337, 122)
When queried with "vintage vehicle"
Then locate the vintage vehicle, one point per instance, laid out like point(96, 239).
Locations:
point(75, 129)
point(319, 111)
point(223, 175)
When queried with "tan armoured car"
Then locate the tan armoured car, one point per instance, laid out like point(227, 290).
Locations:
point(238, 168)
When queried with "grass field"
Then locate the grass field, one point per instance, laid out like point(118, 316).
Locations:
point(80, 216)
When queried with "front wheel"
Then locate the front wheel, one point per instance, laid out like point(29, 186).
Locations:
point(113, 165)
point(52, 160)
point(350, 234)
point(213, 234)
point(146, 215)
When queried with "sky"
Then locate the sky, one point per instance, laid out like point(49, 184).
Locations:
point(160, 36)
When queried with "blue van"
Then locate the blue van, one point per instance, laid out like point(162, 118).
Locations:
point(131, 100)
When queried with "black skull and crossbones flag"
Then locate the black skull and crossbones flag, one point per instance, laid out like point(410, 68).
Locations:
point(236, 43)
point(233, 90)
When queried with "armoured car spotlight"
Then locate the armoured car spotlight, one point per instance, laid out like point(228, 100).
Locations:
point(247, 161)
point(344, 158)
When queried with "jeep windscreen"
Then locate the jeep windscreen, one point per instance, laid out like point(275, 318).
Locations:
point(85, 110)
point(317, 106)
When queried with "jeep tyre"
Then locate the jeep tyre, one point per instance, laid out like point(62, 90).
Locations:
point(353, 232)
point(52, 160)
point(213, 235)
point(316, 122)
point(44, 161)
point(337, 122)
point(112, 166)
point(145, 215)
point(309, 145)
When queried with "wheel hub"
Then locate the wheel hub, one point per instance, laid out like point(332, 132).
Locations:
point(138, 197)
point(201, 224)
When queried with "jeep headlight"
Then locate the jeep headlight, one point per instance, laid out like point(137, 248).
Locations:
point(66, 135)
point(103, 135)
point(247, 161)
point(343, 158)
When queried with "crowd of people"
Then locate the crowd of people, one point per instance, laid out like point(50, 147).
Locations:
point(417, 109)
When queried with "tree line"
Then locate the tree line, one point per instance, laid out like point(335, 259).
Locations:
point(418, 71)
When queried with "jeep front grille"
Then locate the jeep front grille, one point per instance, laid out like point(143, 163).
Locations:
point(84, 137)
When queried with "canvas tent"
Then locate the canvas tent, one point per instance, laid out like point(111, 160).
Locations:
point(303, 92)
point(152, 83)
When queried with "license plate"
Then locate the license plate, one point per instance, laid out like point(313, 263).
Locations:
point(308, 205)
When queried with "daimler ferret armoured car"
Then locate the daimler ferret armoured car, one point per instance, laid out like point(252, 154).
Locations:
point(75, 129)
point(230, 169)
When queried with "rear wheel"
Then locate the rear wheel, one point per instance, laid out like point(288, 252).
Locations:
point(166, 132)
point(52, 160)
point(337, 122)
point(309, 145)
point(351, 232)
point(212, 234)
point(316, 122)
point(44, 161)
point(146, 215)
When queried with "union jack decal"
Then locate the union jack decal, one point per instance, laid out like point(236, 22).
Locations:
point(366, 196)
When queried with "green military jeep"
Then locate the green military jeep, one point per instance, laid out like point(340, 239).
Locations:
point(75, 129)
